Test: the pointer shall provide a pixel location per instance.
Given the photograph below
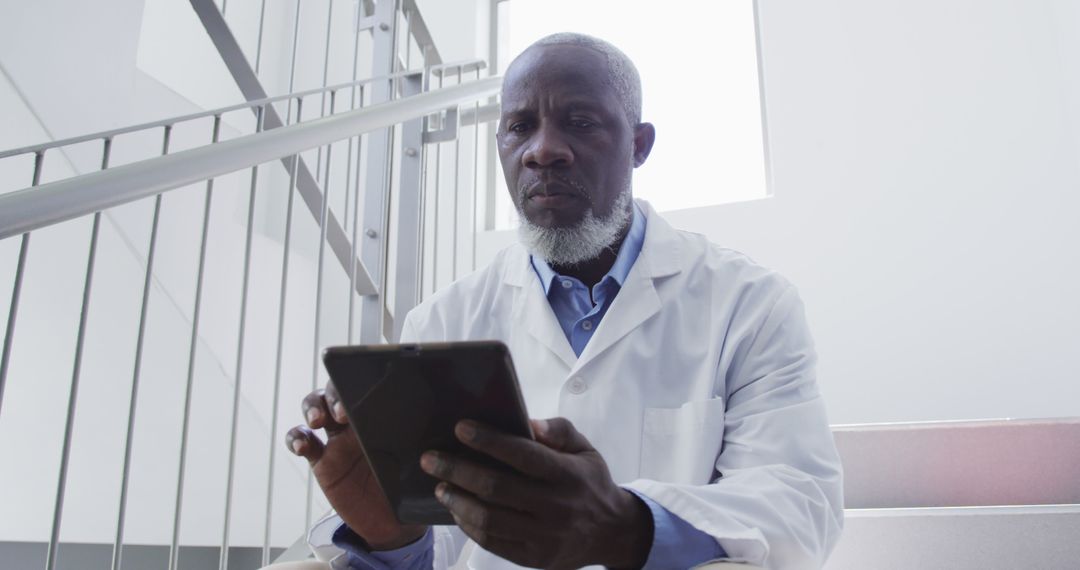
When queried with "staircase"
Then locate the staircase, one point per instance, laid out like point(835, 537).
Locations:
point(960, 495)
point(202, 267)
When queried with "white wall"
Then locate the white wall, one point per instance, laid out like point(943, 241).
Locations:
point(926, 159)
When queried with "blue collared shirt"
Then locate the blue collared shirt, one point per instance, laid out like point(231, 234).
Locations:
point(579, 310)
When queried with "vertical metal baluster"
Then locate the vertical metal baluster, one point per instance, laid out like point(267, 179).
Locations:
point(438, 185)
point(424, 156)
point(325, 77)
point(295, 37)
point(323, 216)
point(408, 37)
point(476, 170)
point(387, 224)
point(20, 267)
point(268, 524)
point(50, 557)
point(258, 45)
point(174, 548)
point(356, 222)
point(348, 172)
point(457, 176)
point(348, 177)
point(224, 559)
point(352, 105)
point(147, 281)
point(280, 345)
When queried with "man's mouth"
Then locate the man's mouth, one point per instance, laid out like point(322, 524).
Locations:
point(548, 190)
point(552, 195)
point(553, 190)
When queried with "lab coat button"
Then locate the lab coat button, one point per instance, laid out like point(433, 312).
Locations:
point(577, 385)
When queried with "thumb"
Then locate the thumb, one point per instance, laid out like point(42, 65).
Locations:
point(561, 435)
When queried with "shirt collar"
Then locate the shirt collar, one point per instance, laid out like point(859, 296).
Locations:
point(624, 261)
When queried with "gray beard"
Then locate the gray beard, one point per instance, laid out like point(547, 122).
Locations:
point(583, 242)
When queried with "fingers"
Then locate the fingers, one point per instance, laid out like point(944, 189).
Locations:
point(524, 455)
point(483, 521)
point(304, 443)
point(489, 485)
point(541, 459)
point(561, 435)
point(317, 406)
point(335, 405)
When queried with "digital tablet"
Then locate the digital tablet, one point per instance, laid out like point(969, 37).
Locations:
point(403, 400)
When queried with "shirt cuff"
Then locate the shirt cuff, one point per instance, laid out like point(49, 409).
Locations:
point(677, 543)
point(418, 554)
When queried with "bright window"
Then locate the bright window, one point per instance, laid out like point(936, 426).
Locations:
point(699, 70)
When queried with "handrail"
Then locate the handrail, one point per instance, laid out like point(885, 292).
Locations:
point(36, 207)
point(41, 147)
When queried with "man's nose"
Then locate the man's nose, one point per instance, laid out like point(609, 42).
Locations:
point(547, 148)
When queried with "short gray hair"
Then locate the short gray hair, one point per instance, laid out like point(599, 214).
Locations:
point(622, 74)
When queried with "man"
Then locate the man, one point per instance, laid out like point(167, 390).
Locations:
point(689, 424)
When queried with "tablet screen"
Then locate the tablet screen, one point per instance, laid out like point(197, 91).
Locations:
point(403, 400)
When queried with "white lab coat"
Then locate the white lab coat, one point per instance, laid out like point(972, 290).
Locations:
point(698, 388)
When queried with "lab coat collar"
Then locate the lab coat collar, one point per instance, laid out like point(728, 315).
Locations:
point(636, 302)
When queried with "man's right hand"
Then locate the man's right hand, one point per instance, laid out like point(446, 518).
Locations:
point(344, 475)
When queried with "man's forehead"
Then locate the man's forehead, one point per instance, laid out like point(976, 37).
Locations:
point(557, 67)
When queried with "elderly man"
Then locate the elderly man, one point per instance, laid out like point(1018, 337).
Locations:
point(688, 425)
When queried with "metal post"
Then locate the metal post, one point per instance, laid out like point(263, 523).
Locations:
point(323, 217)
point(325, 77)
point(438, 199)
point(58, 511)
point(476, 170)
point(387, 327)
point(425, 157)
point(224, 559)
point(376, 188)
point(408, 37)
point(406, 282)
point(280, 345)
point(352, 105)
point(20, 268)
point(174, 550)
point(147, 281)
point(493, 161)
point(457, 190)
point(295, 37)
point(355, 237)
point(258, 45)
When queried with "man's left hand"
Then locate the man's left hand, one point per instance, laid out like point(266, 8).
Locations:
point(558, 509)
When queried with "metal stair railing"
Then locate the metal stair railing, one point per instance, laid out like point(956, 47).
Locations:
point(38, 206)
point(411, 116)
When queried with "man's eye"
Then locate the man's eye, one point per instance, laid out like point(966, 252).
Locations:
point(519, 127)
point(582, 124)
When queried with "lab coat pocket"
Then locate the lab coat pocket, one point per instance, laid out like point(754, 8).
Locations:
point(680, 445)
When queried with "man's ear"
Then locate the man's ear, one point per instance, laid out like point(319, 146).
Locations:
point(644, 137)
